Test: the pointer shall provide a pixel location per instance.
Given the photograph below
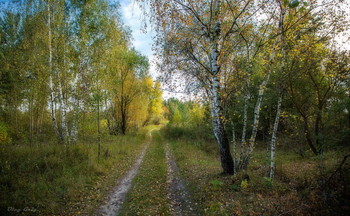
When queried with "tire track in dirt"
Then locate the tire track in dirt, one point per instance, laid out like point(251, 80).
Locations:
point(117, 195)
point(180, 201)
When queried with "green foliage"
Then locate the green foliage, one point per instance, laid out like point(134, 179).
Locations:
point(292, 3)
point(244, 184)
point(4, 136)
point(155, 107)
point(217, 184)
point(268, 181)
point(235, 187)
point(187, 120)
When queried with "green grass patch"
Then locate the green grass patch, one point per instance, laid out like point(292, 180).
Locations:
point(148, 195)
point(63, 180)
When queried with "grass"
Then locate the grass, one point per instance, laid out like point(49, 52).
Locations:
point(148, 195)
point(296, 187)
point(59, 180)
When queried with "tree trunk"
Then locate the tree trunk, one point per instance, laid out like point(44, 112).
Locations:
point(52, 93)
point(279, 102)
point(308, 135)
point(256, 120)
point(244, 130)
point(98, 128)
point(123, 113)
point(235, 160)
point(74, 129)
point(219, 132)
point(349, 112)
point(318, 125)
point(63, 107)
point(274, 137)
point(218, 126)
point(63, 99)
point(31, 128)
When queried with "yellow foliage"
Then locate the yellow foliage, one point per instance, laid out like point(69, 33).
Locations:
point(244, 184)
point(4, 137)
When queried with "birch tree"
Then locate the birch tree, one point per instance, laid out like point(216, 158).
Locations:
point(200, 34)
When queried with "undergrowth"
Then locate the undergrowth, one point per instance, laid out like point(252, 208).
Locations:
point(62, 180)
point(297, 189)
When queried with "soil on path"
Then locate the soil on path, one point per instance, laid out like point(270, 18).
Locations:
point(117, 195)
point(180, 201)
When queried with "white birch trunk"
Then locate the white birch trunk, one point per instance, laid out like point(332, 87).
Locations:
point(244, 130)
point(63, 97)
point(218, 125)
point(51, 85)
point(63, 114)
point(274, 137)
point(74, 128)
point(256, 117)
point(219, 130)
point(234, 144)
point(279, 102)
point(257, 110)
point(213, 118)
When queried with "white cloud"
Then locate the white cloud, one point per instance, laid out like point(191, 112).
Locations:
point(142, 40)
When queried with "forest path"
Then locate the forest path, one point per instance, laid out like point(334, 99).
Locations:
point(180, 201)
point(117, 195)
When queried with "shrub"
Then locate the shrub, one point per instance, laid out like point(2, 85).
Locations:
point(4, 136)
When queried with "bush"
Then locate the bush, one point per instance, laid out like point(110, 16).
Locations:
point(4, 136)
point(173, 131)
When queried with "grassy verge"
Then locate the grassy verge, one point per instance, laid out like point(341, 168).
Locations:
point(295, 189)
point(148, 195)
point(59, 180)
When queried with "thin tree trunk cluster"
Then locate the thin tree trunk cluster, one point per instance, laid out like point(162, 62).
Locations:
point(57, 90)
point(246, 148)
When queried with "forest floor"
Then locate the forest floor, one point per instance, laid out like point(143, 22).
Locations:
point(302, 185)
point(53, 179)
point(182, 177)
point(157, 175)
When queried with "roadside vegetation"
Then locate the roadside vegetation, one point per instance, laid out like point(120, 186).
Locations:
point(304, 183)
point(301, 186)
point(63, 180)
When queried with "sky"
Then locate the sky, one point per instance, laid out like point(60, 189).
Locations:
point(142, 41)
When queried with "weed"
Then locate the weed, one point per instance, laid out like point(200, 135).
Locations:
point(217, 184)
point(267, 182)
point(244, 184)
point(235, 187)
